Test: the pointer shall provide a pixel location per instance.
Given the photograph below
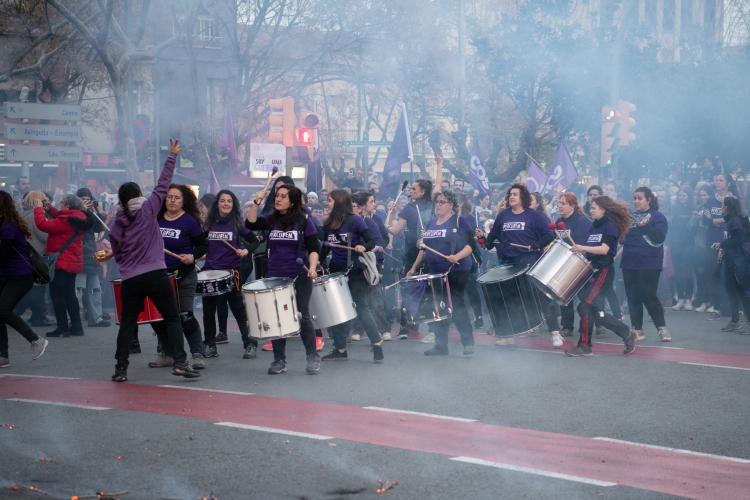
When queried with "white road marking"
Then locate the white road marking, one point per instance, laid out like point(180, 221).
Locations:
point(540, 350)
point(675, 450)
point(528, 470)
point(714, 366)
point(431, 415)
point(55, 403)
point(37, 376)
point(274, 431)
point(207, 390)
point(643, 346)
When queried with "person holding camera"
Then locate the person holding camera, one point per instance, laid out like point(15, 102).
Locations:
point(88, 280)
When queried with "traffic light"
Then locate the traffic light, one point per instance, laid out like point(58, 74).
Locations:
point(281, 121)
point(309, 119)
point(626, 122)
point(610, 133)
point(306, 136)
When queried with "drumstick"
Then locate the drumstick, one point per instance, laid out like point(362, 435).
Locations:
point(425, 247)
point(527, 247)
point(392, 285)
point(270, 176)
point(561, 225)
point(171, 253)
point(553, 227)
point(100, 220)
point(228, 244)
point(329, 244)
point(300, 262)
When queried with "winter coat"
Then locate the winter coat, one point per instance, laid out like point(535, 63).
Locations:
point(61, 227)
point(38, 238)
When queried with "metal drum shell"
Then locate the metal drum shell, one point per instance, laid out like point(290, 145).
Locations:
point(559, 273)
point(511, 299)
point(331, 301)
point(438, 305)
point(271, 308)
point(149, 314)
point(220, 283)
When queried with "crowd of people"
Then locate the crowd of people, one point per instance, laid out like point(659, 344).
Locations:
point(682, 244)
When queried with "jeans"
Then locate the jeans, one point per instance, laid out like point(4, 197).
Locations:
point(457, 280)
point(591, 307)
point(91, 296)
point(682, 260)
point(12, 289)
point(156, 286)
point(472, 294)
point(64, 301)
point(358, 287)
point(302, 292)
point(640, 287)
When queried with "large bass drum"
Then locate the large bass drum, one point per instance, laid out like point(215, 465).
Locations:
point(511, 299)
point(331, 301)
point(559, 273)
point(426, 298)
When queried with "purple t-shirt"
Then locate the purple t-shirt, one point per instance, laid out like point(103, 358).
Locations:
point(579, 228)
point(220, 256)
point(604, 233)
point(177, 235)
point(338, 255)
point(638, 251)
point(525, 228)
point(375, 233)
point(16, 265)
point(282, 250)
point(438, 237)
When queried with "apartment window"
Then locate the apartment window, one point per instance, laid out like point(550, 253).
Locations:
point(686, 15)
point(206, 28)
point(649, 15)
point(668, 16)
point(709, 16)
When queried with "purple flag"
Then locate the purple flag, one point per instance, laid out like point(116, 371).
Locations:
point(563, 172)
point(398, 154)
point(536, 178)
point(227, 139)
point(477, 173)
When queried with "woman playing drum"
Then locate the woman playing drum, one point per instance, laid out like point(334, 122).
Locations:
point(522, 233)
point(451, 235)
point(139, 252)
point(611, 223)
point(184, 243)
point(292, 235)
point(341, 223)
point(223, 228)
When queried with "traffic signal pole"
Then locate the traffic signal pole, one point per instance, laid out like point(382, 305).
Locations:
point(629, 6)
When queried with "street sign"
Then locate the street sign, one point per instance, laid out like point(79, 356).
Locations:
point(264, 157)
point(42, 132)
point(95, 160)
point(43, 153)
point(361, 144)
point(37, 111)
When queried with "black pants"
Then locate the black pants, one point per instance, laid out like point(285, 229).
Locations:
point(377, 308)
point(222, 311)
point(237, 305)
point(550, 310)
point(458, 281)
point(156, 286)
point(62, 289)
point(472, 294)
point(640, 287)
point(409, 260)
point(12, 289)
point(682, 260)
point(709, 285)
point(568, 314)
point(358, 287)
point(302, 292)
point(612, 299)
point(736, 294)
point(35, 300)
point(591, 307)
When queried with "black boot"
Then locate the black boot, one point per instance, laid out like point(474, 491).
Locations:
point(121, 374)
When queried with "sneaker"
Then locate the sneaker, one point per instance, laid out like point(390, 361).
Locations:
point(557, 340)
point(38, 347)
point(688, 305)
point(211, 352)
point(664, 335)
point(199, 362)
point(161, 362)
point(4, 362)
point(313, 364)
point(356, 337)
point(336, 355)
point(403, 333)
point(277, 367)
point(428, 339)
point(121, 374)
point(479, 322)
point(251, 352)
point(101, 324)
point(468, 350)
point(600, 330)
point(713, 316)
point(436, 351)
point(629, 342)
point(732, 327)
point(639, 335)
point(744, 331)
point(679, 305)
point(58, 332)
point(135, 347)
point(319, 343)
point(387, 336)
point(566, 332)
point(185, 370)
point(506, 341)
point(711, 310)
point(701, 308)
point(377, 353)
point(268, 346)
point(221, 338)
point(579, 351)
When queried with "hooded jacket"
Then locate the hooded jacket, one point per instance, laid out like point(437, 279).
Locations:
point(38, 238)
point(62, 225)
point(137, 245)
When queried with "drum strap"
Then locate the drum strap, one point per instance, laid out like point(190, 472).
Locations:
point(453, 234)
point(300, 236)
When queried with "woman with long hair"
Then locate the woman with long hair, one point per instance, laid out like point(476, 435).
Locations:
point(223, 225)
point(36, 298)
point(292, 235)
point(642, 262)
point(138, 249)
point(270, 204)
point(180, 225)
point(592, 192)
point(611, 224)
point(343, 228)
point(539, 204)
point(16, 278)
point(681, 248)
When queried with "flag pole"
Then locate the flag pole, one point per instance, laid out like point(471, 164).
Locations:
point(537, 163)
point(408, 142)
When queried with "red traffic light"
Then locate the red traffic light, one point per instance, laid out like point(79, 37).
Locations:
point(305, 136)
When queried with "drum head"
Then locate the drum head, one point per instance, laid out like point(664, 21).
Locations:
point(502, 273)
point(327, 277)
point(267, 284)
point(212, 275)
point(422, 277)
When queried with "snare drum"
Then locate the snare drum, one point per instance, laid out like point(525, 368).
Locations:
point(559, 273)
point(214, 283)
point(149, 313)
point(511, 299)
point(271, 309)
point(426, 298)
point(331, 301)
